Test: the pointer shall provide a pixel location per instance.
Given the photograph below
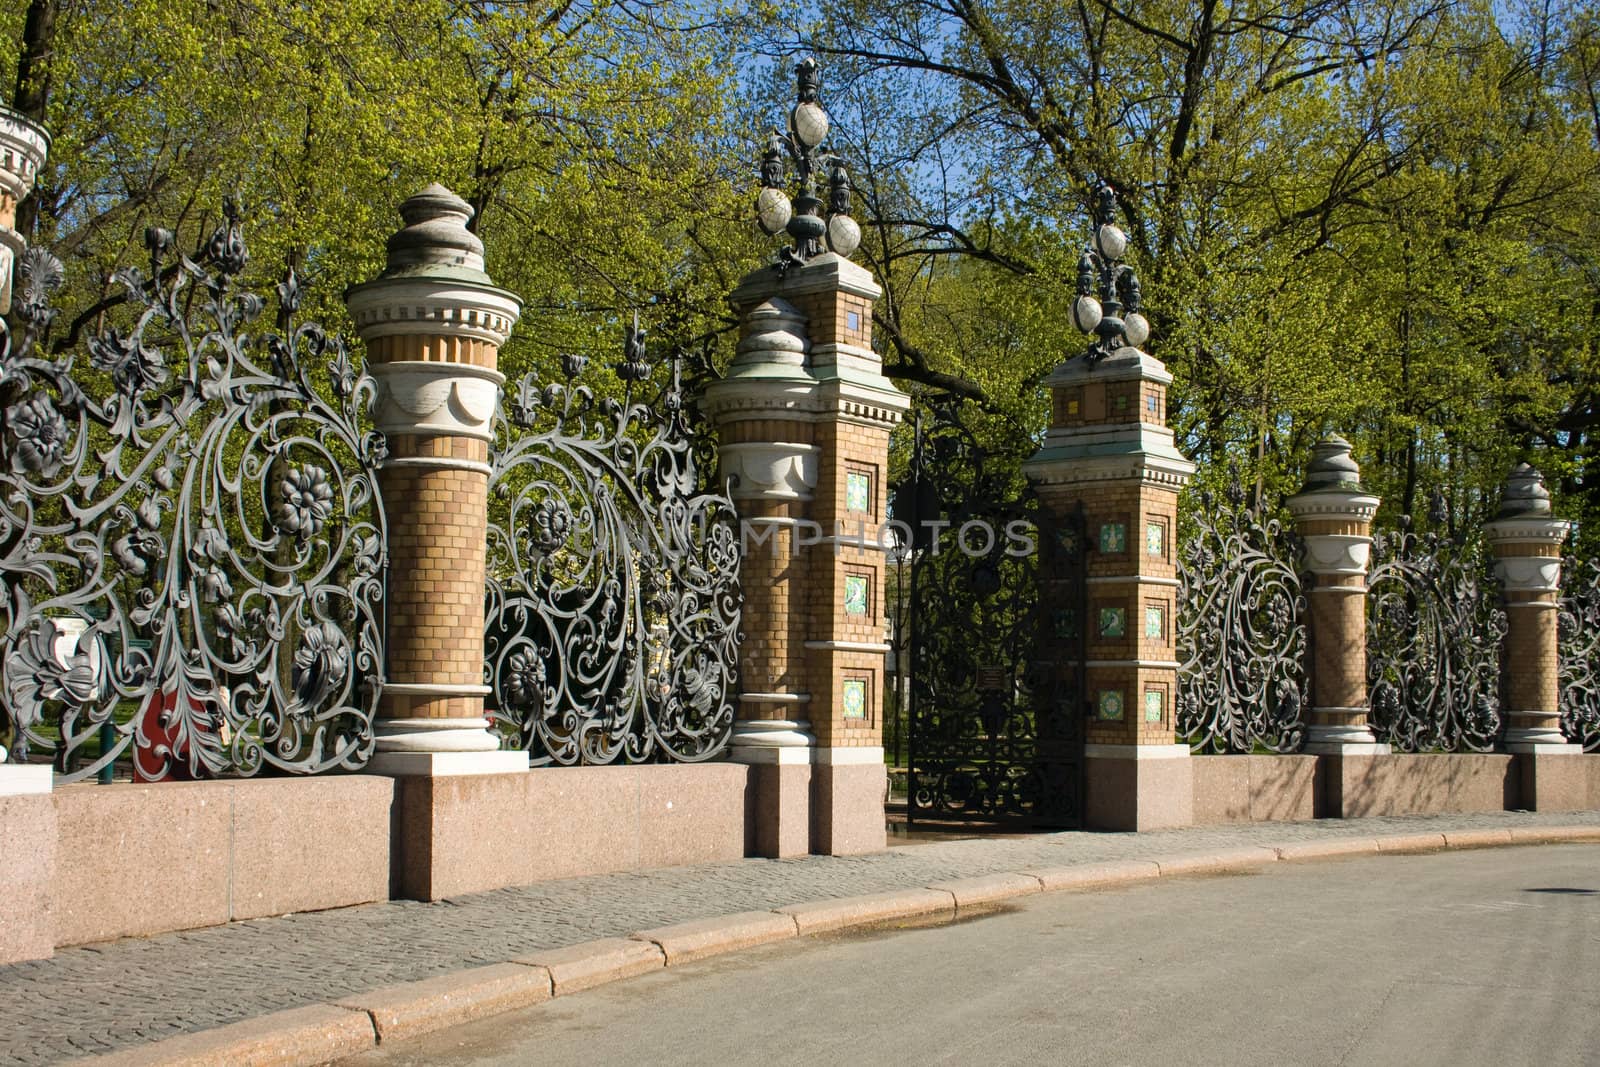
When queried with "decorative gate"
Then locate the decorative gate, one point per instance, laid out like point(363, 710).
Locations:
point(996, 699)
point(1434, 634)
point(613, 594)
point(191, 538)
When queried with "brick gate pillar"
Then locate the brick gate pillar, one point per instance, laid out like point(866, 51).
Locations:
point(1527, 538)
point(1109, 450)
point(433, 324)
point(803, 418)
point(1333, 515)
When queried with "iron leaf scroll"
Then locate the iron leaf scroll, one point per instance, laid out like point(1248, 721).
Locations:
point(1241, 631)
point(190, 529)
point(1434, 634)
point(613, 597)
point(1579, 655)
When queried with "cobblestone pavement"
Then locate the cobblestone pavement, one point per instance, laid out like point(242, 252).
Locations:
point(121, 993)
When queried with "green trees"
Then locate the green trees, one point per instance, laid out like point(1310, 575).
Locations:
point(589, 137)
point(1345, 214)
point(1374, 217)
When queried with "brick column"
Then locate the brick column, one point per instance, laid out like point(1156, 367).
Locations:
point(803, 418)
point(1333, 515)
point(433, 324)
point(763, 411)
point(1110, 451)
point(1527, 538)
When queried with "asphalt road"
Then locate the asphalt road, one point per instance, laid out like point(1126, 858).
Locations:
point(1464, 958)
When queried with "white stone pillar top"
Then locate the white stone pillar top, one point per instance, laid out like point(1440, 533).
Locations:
point(1333, 489)
point(1525, 518)
point(24, 146)
point(434, 282)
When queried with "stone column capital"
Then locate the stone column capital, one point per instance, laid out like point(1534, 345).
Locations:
point(434, 282)
point(24, 146)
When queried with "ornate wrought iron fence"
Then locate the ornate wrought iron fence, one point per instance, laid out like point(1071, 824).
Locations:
point(1434, 633)
point(1241, 630)
point(613, 597)
point(190, 530)
point(1579, 654)
point(996, 708)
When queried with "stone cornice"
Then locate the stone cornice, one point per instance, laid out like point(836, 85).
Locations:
point(400, 307)
point(823, 274)
point(1527, 531)
point(1333, 504)
point(24, 146)
point(1128, 364)
point(1169, 472)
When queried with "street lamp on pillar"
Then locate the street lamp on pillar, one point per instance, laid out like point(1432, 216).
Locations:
point(1107, 286)
point(803, 146)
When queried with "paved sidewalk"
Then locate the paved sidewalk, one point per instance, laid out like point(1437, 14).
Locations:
point(127, 993)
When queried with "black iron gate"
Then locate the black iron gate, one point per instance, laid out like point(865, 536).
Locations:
point(990, 595)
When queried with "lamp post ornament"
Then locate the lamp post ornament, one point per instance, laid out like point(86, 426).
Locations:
point(803, 145)
point(1101, 271)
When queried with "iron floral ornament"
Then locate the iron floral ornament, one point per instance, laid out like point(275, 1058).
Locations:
point(190, 530)
point(613, 595)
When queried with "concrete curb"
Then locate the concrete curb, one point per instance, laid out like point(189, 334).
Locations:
point(321, 1033)
point(686, 942)
point(824, 916)
point(414, 1008)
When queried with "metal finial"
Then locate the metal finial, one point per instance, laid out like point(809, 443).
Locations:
point(803, 143)
point(1107, 287)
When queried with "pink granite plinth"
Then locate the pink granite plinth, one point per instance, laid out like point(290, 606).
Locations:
point(1243, 789)
point(472, 833)
point(781, 810)
point(145, 859)
point(1554, 782)
point(1362, 786)
point(1139, 794)
point(28, 859)
point(847, 816)
point(304, 844)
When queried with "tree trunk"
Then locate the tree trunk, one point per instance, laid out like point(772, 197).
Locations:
point(32, 96)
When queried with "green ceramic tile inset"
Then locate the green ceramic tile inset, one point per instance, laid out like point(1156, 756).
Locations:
point(1155, 539)
point(857, 491)
point(1113, 537)
point(1109, 706)
point(1154, 701)
point(1153, 619)
point(1113, 622)
point(855, 594)
point(855, 699)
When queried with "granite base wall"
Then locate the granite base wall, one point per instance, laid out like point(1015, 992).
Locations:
point(1244, 789)
point(471, 833)
point(28, 855)
point(135, 860)
point(1130, 794)
point(1353, 787)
